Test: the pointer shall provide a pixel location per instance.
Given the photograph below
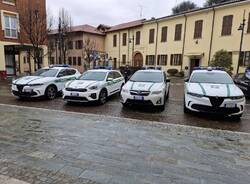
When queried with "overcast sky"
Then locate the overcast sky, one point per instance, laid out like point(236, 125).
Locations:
point(111, 12)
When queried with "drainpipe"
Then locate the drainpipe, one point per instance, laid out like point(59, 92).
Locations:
point(211, 40)
point(119, 50)
point(128, 47)
point(184, 40)
point(156, 42)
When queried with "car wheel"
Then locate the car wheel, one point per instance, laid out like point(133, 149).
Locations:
point(167, 97)
point(125, 105)
point(51, 92)
point(103, 97)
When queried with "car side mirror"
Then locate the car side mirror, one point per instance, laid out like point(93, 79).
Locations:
point(167, 80)
point(59, 75)
point(186, 80)
point(110, 79)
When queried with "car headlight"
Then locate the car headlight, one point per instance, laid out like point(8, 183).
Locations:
point(195, 95)
point(237, 97)
point(125, 90)
point(40, 84)
point(93, 87)
point(156, 92)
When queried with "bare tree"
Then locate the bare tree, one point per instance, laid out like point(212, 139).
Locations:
point(35, 27)
point(64, 33)
point(88, 51)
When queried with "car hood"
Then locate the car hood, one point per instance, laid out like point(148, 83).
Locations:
point(143, 86)
point(33, 80)
point(218, 90)
point(82, 84)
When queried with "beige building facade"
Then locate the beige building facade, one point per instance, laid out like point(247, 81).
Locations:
point(185, 40)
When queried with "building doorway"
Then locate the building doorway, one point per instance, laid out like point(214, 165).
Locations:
point(194, 63)
point(138, 60)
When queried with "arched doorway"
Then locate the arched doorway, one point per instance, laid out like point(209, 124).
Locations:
point(138, 60)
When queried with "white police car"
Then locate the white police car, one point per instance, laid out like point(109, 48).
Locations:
point(94, 85)
point(212, 90)
point(45, 82)
point(146, 87)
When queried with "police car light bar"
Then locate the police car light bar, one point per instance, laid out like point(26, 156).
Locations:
point(103, 67)
point(60, 65)
point(151, 68)
point(209, 68)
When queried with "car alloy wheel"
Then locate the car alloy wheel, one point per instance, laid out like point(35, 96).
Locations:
point(51, 92)
point(103, 97)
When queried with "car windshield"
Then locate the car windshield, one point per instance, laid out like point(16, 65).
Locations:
point(46, 72)
point(95, 76)
point(211, 77)
point(147, 77)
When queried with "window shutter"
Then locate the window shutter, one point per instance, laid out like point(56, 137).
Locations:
point(248, 27)
point(124, 39)
point(138, 38)
point(178, 30)
point(227, 25)
point(164, 33)
point(198, 29)
point(151, 35)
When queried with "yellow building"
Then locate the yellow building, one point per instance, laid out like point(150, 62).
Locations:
point(187, 39)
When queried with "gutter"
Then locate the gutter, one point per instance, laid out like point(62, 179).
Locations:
point(119, 49)
point(184, 41)
point(156, 42)
point(211, 40)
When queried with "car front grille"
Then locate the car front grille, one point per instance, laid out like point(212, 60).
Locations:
point(218, 110)
point(20, 87)
point(76, 90)
point(139, 102)
point(76, 98)
point(140, 93)
point(216, 101)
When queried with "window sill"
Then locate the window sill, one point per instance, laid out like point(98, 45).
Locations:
point(9, 3)
point(8, 37)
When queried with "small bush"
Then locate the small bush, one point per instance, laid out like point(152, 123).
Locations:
point(172, 71)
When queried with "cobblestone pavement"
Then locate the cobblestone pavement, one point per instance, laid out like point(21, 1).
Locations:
point(47, 146)
point(173, 113)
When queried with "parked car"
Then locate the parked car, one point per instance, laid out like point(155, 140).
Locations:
point(212, 90)
point(45, 82)
point(94, 85)
point(146, 87)
point(243, 82)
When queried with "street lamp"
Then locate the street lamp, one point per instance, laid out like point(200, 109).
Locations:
point(132, 40)
point(241, 28)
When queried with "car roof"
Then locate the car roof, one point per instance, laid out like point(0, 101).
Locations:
point(150, 71)
point(209, 71)
point(102, 70)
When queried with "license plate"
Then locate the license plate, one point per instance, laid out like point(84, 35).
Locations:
point(138, 98)
point(74, 94)
point(28, 90)
point(230, 105)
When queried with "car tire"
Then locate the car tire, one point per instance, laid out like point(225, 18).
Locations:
point(125, 105)
point(102, 97)
point(167, 97)
point(163, 107)
point(51, 92)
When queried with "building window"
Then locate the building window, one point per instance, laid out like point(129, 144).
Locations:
point(79, 61)
point(24, 60)
point(150, 60)
point(248, 26)
point(124, 39)
point(138, 38)
point(178, 30)
point(124, 59)
point(10, 25)
point(164, 33)
point(176, 59)
point(114, 40)
point(70, 60)
point(245, 61)
point(151, 35)
point(74, 61)
point(70, 45)
point(227, 25)
point(79, 44)
point(198, 29)
point(162, 60)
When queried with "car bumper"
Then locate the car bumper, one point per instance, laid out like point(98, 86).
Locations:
point(74, 96)
point(228, 107)
point(155, 100)
point(28, 91)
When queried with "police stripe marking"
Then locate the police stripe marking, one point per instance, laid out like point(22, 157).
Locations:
point(202, 88)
